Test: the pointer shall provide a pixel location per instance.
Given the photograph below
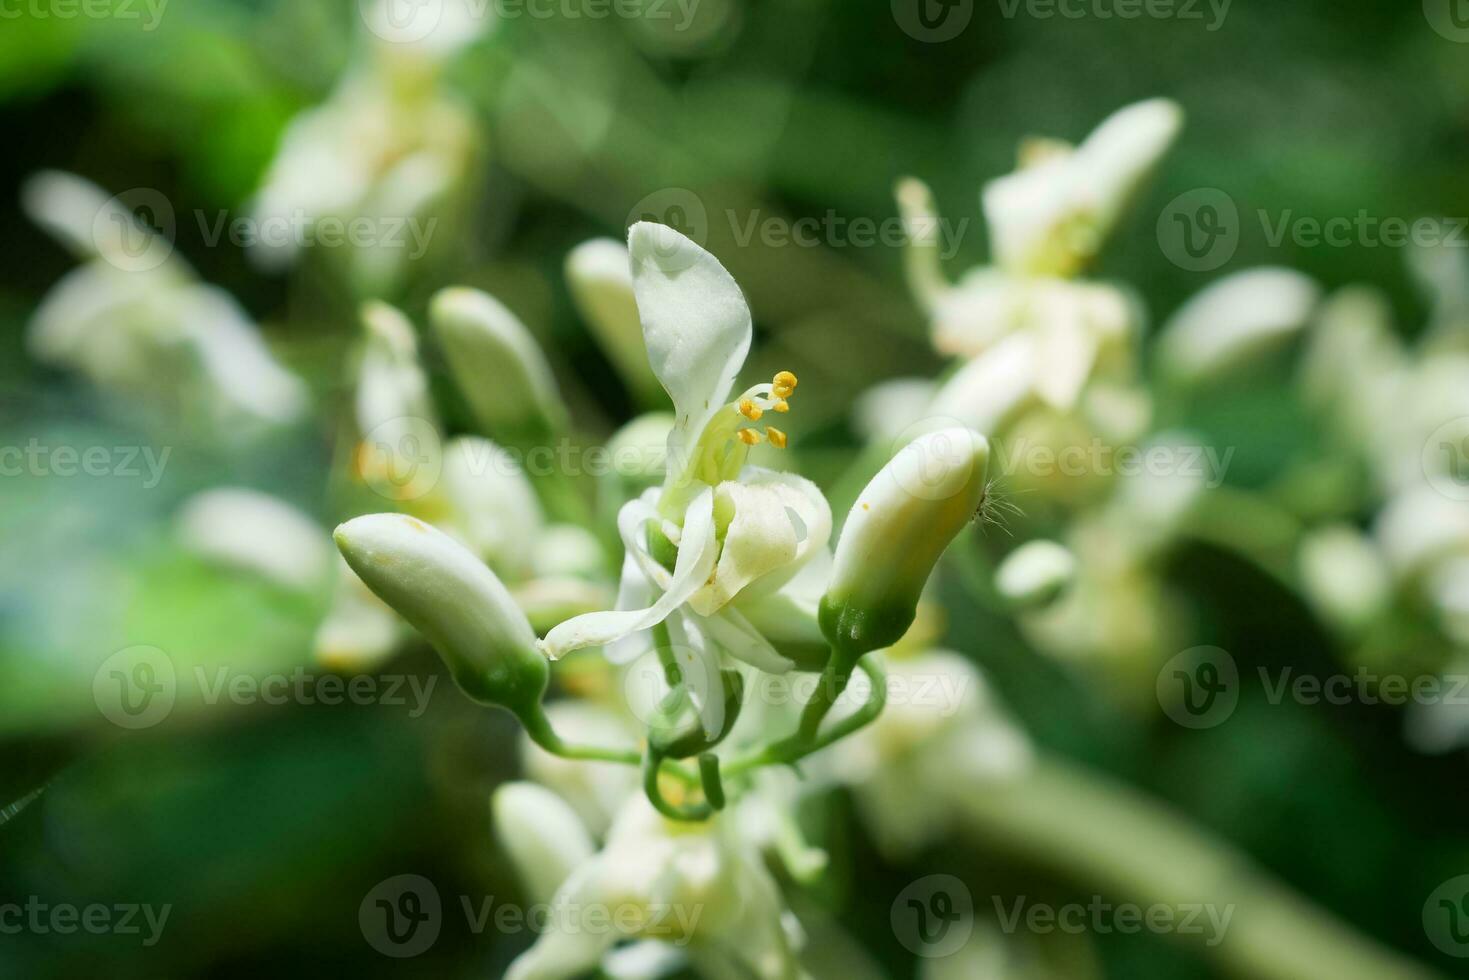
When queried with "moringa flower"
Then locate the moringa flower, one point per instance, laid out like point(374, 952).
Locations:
point(694, 886)
point(136, 320)
point(545, 838)
point(717, 530)
point(1035, 573)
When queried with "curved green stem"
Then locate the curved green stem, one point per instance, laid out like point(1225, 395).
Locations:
point(652, 766)
point(799, 746)
point(1108, 836)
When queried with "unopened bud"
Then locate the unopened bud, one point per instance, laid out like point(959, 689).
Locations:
point(454, 600)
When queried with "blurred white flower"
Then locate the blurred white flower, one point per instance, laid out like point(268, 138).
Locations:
point(256, 532)
point(388, 148)
point(943, 728)
point(150, 332)
point(686, 884)
point(1233, 321)
point(543, 835)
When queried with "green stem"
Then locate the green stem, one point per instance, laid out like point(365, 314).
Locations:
point(1108, 836)
point(691, 813)
point(798, 746)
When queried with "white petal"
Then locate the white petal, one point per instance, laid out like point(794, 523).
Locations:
point(776, 522)
point(567, 948)
point(695, 561)
point(1234, 320)
point(696, 325)
point(544, 837)
point(987, 392)
point(734, 635)
point(234, 357)
point(258, 532)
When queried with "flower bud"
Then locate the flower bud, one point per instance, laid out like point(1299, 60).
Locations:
point(497, 364)
point(901, 523)
point(545, 838)
point(455, 601)
point(1234, 321)
point(600, 276)
point(1035, 573)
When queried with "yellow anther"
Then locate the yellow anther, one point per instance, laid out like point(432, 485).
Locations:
point(749, 437)
point(777, 438)
point(750, 410)
point(783, 384)
point(782, 406)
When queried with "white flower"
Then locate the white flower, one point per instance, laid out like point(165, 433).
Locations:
point(149, 330)
point(1050, 217)
point(360, 631)
point(687, 884)
point(257, 532)
point(1232, 321)
point(1344, 575)
point(740, 531)
point(543, 835)
point(388, 146)
point(1035, 573)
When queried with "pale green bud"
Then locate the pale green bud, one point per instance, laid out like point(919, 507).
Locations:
point(544, 837)
point(600, 276)
point(497, 364)
point(454, 600)
point(1035, 573)
point(902, 521)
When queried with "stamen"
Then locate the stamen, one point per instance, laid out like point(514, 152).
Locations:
point(750, 410)
point(783, 384)
point(749, 437)
point(777, 438)
point(782, 406)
